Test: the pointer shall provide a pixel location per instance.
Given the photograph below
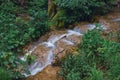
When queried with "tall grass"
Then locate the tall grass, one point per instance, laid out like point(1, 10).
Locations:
point(97, 59)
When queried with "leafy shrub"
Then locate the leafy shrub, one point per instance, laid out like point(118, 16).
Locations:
point(96, 75)
point(16, 31)
point(92, 40)
point(118, 36)
point(39, 22)
point(74, 68)
point(98, 49)
point(4, 75)
point(114, 67)
point(8, 6)
point(97, 57)
point(13, 64)
point(37, 10)
point(77, 10)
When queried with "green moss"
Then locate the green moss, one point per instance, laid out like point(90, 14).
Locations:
point(52, 10)
point(59, 19)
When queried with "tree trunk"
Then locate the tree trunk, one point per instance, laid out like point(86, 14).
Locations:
point(49, 2)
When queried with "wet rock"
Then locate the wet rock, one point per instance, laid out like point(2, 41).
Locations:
point(41, 53)
point(49, 73)
point(73, 38)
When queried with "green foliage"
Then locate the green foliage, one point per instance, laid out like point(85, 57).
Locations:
point(52, 10)
point(14, 32)
point(114, 71)
point(37, 10)
point(77, 10)
point(97, 49)
point(36, 4)
point(13, 64)
point(39, 21)
point(30, 59)
point(74, 68)
point(118, 36)
point(5, 75)
point(58, 20)
point(96, 75)
point(91, 42)
point(98, 59)
point(20, 25)
point(10, 7)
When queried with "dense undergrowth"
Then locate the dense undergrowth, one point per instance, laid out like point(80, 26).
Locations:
point(19, 24)
point(70, 11)
point(97, 59)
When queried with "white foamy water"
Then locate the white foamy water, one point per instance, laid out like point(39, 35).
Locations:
point(51, 43)
point(93, 26)
point(73, 32)
point(116, 20)
point(68, 42)
point(39, 66)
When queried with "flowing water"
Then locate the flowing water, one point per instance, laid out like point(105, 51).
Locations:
point(43, 61)
point(58, 44)
point(49, 55)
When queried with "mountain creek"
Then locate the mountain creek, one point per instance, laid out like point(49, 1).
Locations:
point(56, 43)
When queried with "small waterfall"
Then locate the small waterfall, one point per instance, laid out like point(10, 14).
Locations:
point(51, 43)
point(37, 66)
point(93, 26)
